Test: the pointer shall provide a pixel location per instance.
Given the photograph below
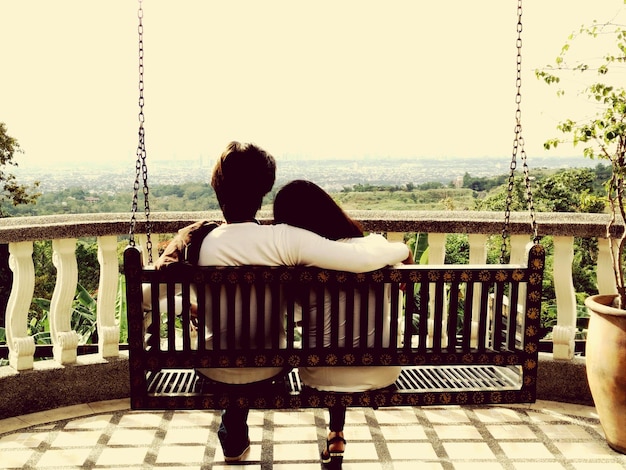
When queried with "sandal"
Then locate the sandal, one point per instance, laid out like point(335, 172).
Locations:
point(332, 459)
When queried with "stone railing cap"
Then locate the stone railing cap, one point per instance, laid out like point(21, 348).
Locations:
point(15, 229)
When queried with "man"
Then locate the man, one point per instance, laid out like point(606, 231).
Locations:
point(243, 175)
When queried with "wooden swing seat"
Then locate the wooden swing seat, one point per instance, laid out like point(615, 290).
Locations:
point(450, 328)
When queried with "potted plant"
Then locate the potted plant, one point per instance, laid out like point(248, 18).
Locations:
point(603, 136)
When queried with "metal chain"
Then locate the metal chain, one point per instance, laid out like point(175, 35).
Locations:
point(141, 168)
point(518, 148)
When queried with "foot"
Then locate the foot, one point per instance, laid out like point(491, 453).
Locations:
point(335, 446)
point(238, 455)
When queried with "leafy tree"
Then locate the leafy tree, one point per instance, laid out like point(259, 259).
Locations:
point(87, 259)
point(45, 272)
point(12, 192)
point(602, 175)
point(457, 248)
point(603, 133)
point(570, 191)
point(431, 185)
point(496, 200)
point(482, 183)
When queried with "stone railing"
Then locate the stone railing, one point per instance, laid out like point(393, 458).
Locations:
point(110, 229)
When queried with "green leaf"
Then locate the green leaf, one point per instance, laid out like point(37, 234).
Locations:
point(84, 298)
point(421, 247)
point(120, 309)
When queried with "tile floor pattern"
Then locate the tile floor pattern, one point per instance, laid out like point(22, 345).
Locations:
point(541, 437)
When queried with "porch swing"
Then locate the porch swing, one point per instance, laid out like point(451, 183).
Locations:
point(491, 359)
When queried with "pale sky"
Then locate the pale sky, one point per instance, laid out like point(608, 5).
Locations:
point(323, 78)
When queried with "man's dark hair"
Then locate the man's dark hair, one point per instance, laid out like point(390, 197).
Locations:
point(243, 174)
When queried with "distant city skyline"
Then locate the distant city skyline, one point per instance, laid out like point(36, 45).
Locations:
point(325, 79)
point(332, 175)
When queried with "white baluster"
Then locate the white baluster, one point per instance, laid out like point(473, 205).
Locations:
point(436, 248)
point(21, 346)
point(395, 236)
point(392, 237)
point(436, 255)
point(519, 255)
point(477, 255)
point(519, 249)
point(108, 330)
point(64, 340)
point(478, 248)
point(565, 330)
point(604, 269)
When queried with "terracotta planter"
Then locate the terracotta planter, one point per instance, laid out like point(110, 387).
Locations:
point(606, 367)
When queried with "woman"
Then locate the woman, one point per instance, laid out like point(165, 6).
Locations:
point(303, 204)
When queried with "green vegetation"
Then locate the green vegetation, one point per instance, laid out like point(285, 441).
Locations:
point(442, 198)
point(187, 197)
point(11, 192)
point(474, 193)
point(12, 196)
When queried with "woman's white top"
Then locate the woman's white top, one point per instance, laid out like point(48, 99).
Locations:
point(351, 379)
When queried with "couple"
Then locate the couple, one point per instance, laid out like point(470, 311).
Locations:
point(307, 229)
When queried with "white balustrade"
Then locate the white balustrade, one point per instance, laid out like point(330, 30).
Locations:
point(21, 345)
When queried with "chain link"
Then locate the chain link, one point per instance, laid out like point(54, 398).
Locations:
point(141, 168)
point(518, 149)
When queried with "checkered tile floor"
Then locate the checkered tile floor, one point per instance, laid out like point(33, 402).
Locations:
point(544, 436)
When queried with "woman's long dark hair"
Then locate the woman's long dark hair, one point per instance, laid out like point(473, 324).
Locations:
point(303, 204)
